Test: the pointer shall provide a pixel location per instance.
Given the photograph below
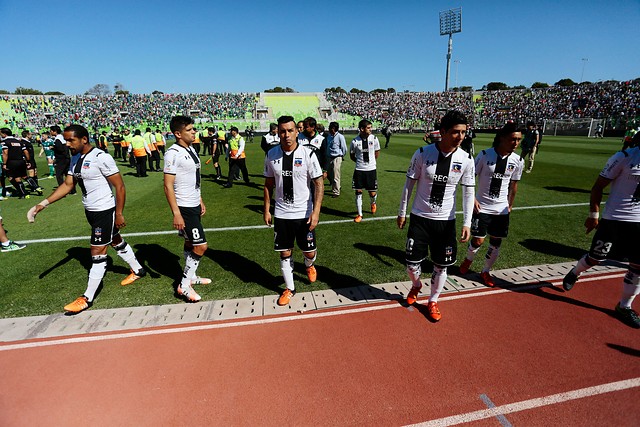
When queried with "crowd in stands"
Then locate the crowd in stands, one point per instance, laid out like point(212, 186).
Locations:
point(617, 101)
point(116, 111)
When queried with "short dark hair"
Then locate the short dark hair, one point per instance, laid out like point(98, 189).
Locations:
point(334, 125)
point(148, 130)
point(25, 132)
point(180, 122)
point(363, 123)
point(78, 130)
point(56, 129)
point(234, 128)
point(273, 126)
point(508, 128)
point(453, 118)
point(285, 119)
point(137, 132)
point(310, 122)
point(530, 123)
point(6, 131)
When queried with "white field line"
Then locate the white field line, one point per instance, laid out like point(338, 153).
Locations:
point(263, 321)
point(531, 403)
point(254, 227)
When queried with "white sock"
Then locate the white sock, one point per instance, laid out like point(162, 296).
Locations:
point(472, 252)
point(286, 266)
point(581, 266)
point(359, 203)
point(630, 288)
point(190, 267)
point(96, 274)
point(308, 262)
point(127, 255)
point(414, 271)
point(491, 257)
point(438, 280)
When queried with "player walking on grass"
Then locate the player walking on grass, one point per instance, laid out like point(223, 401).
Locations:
point(437, 169)
point(364, 151)
point(182, 189)
point(498, 170)
point(95, 172)
point(290, 168)
point(618, 232)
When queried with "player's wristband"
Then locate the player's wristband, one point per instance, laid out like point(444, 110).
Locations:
point(44, 203)
point(594, 215)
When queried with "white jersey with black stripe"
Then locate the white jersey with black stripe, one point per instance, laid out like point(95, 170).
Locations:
point(365, 152)
point(438, 175)
point(494, 174)
point(293, 173)
point(91, 171)
point(623, 168)
point(185, 165)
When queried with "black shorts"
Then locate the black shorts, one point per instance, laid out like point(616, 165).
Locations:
point(193, 231)
point(365, 180)
point(103, 226)
point(16, 168)
point(493, 225)
point(616, 240)
point(286, 231)
point(428, 234)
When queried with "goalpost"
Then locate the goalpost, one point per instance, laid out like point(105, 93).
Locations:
point(571, 127)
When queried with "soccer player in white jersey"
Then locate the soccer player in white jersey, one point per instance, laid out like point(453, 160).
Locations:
point(498, 170)
point(364, 150)
point(618, 232)
point(182, 189)
point(95, 172)
point(437, 169)
point(290, 168)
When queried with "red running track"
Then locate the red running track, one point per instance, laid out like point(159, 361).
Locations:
point(373, 365)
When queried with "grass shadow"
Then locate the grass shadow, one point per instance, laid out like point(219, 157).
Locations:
point(552, 248)
point(246, 270)
point(379, 251)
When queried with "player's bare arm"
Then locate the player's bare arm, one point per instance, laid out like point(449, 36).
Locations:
point(318, 193)
point(268, 190)
point(118, 184)
point(594, 203)
point(169, 192)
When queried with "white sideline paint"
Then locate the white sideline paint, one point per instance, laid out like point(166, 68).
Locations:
point(262, 321)
point(254, 227)
point(531, 403)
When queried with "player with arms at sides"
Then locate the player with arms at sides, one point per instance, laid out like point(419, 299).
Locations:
point(364, 151)
point(498, 170)
point(290, 168)
point(182, 189)
point(96, 173)
point(618, 232)
point(47, 150)
point(437, 169)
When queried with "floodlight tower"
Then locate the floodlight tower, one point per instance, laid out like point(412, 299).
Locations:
point(450, 23)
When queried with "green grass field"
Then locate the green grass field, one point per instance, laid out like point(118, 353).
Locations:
point(45, 276)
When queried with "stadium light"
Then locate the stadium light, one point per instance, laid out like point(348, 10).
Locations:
point(450, 23)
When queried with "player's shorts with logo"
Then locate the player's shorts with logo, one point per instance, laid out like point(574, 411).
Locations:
point(616, 240)
point(365, 180)
point(493, 225)
point(288, 231)
point(193, 230)
point(437, 236)
point(103, 226)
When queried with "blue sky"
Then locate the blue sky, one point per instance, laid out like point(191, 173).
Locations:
point(217, 46)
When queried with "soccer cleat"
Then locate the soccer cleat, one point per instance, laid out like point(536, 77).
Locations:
point(412, 296)
point(189, 294)
point(464, 267)
point(487, 279)
point(200, 281)
point(286, 297)
point(569, 280)
point(357, 219)
point(78, 305)
point(312, 274)
point(374, 208)
point(433, 311)
point(133, 277)
point(12, 246)
point(628, 316)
